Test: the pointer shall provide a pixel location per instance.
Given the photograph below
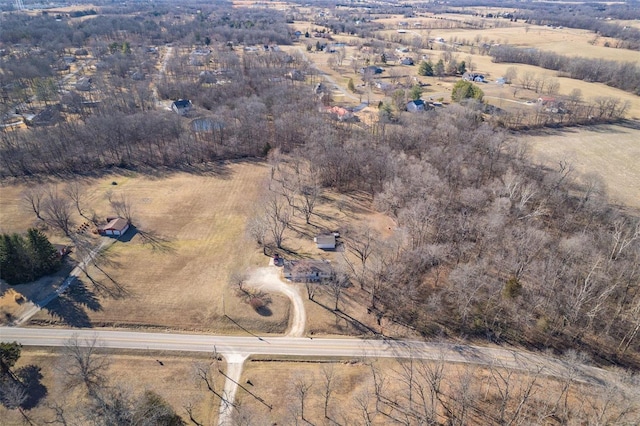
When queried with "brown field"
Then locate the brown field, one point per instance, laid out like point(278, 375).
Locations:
point(198, 221)
point(609, 151)
point(174, 381)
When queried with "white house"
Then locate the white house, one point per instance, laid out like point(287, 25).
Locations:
point(308, 270)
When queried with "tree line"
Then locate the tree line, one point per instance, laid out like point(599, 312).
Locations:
point(621, 75)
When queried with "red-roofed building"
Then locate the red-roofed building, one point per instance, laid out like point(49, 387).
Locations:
point(116, 226)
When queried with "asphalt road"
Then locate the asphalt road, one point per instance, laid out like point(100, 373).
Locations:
point(234, 346)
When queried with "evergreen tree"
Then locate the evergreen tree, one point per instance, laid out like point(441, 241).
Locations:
point(425, 69)
point(26, 259)
point(439, 69)
point(465, 90)
point(416, 92)
point(351, 86)
point(462, 68)
point(9, 355)
point(44, 256)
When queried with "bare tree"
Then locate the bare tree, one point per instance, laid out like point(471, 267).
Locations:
point(329, 381)
point(84, 365)
point(34, 199)
point(76, 193)
point(277, 214)
point(57, 211)
point(301, 388)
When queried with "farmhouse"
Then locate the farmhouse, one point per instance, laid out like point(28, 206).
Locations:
point(325, 241)
point(181, 106)
point(308, 270)
point(115, 226)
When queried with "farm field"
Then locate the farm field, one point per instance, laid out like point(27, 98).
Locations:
point(610, 151)
point(174, 381)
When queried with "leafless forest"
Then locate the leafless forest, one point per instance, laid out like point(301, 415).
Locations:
point(489, 247)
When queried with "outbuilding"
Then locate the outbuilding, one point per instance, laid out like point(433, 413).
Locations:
point(325, 241)
point(115, 227)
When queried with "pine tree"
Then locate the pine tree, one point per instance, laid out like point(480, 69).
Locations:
point(425, 69)
point(43, 253)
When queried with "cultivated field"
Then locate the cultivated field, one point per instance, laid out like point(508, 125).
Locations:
point(174, 381)
point(611, 152)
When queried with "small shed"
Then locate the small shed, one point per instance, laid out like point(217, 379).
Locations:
point(325, 241)
point(115, 227)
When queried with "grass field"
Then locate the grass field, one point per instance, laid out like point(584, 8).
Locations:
point(609, 151)
point(198, 223)
point(174, 381)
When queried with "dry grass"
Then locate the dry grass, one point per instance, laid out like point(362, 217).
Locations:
point(277, 383)
point(197, 223)
point(174, 381)
point(609, 151)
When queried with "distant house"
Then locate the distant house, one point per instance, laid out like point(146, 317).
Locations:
point(181, 106)
point(546, 100)
point(48, 116)
point(406, 61)
point(371, 69)
point(115, 227)
point(83, 84)
point(340, 114)
point(471, 76)
point(325, 241)
point(308, 270)
point(416, 105)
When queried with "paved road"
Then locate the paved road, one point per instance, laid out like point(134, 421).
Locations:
point(234, 348)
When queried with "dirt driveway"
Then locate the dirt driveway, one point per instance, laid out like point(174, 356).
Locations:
point(268, 279)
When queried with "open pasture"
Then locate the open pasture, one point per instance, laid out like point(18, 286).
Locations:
point(610, 151)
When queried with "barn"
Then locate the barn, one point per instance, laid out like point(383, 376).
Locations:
point(115, 227)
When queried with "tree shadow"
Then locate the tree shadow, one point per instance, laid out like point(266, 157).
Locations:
point(30, 377)
point(264, 311)
point(150, 239)
point(70, 307)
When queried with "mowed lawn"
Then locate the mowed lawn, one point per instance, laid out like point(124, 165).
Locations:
point(612, 151)
point(198, 224)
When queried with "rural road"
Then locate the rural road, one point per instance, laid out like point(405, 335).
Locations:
point(235, 347)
